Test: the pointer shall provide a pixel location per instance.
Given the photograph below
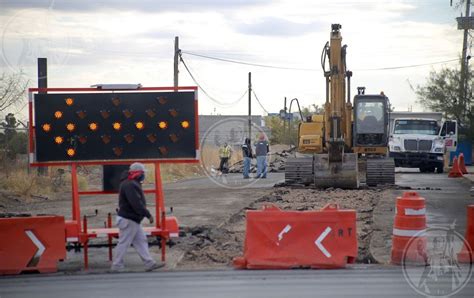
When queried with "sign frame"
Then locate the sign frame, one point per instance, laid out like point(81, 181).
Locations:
point(32, 123)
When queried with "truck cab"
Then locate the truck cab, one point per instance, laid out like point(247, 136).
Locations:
point(421, 143)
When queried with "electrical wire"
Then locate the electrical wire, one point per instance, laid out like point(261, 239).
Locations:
point(258, 100)
point(217, 101)
point(313, 69)
point(408, 66)
point(248, 63)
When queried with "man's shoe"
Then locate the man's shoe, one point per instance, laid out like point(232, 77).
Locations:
point(264, 177)
point(155, 266)
point(246, 177)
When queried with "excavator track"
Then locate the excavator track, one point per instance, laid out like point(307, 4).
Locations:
point(299, 170)
point(380, 171)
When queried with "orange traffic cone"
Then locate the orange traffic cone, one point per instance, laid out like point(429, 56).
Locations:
point(409, 239)
point(462, 165)
point(455, 171)
point(466, 254)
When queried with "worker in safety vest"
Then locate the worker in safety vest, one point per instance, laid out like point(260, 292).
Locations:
point(225, 153)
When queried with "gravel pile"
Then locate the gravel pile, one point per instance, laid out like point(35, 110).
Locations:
point(216, 246)
point(276, 163)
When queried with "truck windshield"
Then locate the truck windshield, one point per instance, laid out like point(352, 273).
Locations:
point(425, 127)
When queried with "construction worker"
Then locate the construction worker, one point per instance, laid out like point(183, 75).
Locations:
point(132, 210)
point(225, 153)
point(261, 150)
point(247, 154)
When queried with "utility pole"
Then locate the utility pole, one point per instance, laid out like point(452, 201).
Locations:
point(176, 62)
point(42, 83)
point(250, 106)
point(465, 23)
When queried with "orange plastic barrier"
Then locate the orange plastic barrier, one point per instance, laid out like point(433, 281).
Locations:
point(278, 239)
point(466, 255)
point(455, 170)
point(462, 165)
point(409, 227)
point(31, 244)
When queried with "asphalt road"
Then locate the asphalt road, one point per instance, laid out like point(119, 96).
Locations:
point(446, 198)
point(369, 281)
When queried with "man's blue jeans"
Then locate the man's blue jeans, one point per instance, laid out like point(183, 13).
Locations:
point(247, 161)
point(261, 166)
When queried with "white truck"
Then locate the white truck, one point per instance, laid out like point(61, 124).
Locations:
point(420, 140)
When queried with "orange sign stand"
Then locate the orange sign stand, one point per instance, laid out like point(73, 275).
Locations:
point(32, 244)
point(77, 230)
point(278, 239)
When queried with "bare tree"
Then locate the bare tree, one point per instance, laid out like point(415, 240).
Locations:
point(12, 91)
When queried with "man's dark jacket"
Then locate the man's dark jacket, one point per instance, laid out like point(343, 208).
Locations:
point(132, 204)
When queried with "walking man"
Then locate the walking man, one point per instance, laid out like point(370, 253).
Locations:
point(247, 154)
point(225, 153)
point(261, 150)
point(132, 210)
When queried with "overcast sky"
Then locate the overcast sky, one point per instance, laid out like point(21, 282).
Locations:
point(117, 41)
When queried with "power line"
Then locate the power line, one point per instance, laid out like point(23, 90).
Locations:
point(313, 69)
point(407, 66)
point(220, 102)
point(256, 97)
point(248, 63)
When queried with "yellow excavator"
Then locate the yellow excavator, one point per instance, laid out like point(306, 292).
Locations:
point(349, 142)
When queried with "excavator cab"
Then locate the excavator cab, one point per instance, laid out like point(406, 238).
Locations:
point(370, 138)
point(370, 128)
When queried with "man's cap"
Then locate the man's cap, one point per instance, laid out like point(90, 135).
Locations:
point(137, 166)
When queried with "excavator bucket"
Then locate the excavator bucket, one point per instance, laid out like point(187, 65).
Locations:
point(342, 174)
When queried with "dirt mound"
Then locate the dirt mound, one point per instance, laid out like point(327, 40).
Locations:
point(216, 246)
point(276, 162)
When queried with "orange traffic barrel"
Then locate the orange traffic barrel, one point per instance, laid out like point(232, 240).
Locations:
point(455, 170)
point(466, 254)
point(409, 228)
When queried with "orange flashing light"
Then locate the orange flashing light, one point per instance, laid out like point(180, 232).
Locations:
point(163, 125)
point(58, 140)
point(117, 125)
point(71, 152)
point(58, 114)
point(185, 124)
point(69, 101)
point(140, 125)
point(46, 127)
point(93, 126)
point(70, 127)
